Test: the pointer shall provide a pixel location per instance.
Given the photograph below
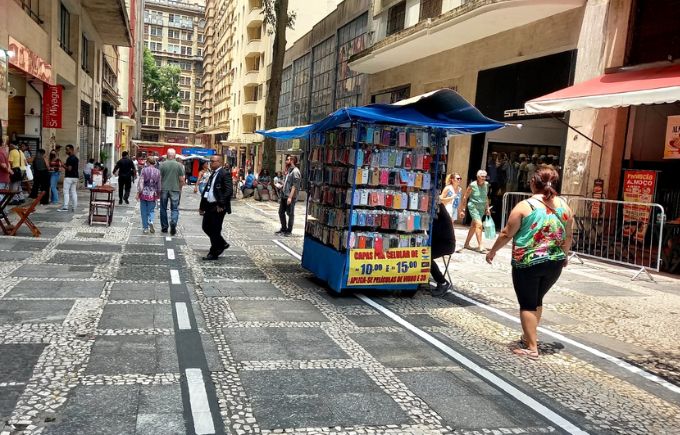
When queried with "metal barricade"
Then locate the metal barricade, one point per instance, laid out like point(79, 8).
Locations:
point(622, 232)
point(510, 200)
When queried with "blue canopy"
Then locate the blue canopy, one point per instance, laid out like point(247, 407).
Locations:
point(443, 109)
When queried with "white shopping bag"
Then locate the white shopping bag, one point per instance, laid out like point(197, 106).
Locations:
point(113, 180)
point(29, 173)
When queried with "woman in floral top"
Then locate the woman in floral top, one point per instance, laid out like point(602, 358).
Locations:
point(148, 192)
point(541, 231)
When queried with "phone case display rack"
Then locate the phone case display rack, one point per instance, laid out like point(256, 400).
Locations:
point(371, 187)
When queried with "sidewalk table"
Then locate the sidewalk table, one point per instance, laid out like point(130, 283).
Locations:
point(7, 196)
point(101, 205)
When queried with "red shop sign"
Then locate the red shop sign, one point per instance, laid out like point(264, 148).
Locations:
point(28, 61)
point(52, 106)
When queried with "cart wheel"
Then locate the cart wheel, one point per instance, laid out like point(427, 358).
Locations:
point(409, 293)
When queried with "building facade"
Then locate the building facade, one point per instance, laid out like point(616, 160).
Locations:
point(237, 67)
point(501, 54)
point(63, 56)
point(174, 33)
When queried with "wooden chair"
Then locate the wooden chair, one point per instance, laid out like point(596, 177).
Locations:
point(24, 214)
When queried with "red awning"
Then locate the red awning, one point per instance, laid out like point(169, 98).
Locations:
point(626, 88)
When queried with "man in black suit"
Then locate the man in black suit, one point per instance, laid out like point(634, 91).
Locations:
point(215, 203)
point(125, 170)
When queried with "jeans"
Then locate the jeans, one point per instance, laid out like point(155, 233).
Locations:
point(87, 178)
point(17, 186)
point(54, 179)
point(146, 209)
point(3, 186)
point(70, 193)
point(174, 197)
point(284, 209)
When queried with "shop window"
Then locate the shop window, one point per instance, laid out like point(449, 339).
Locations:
point(65, 29)
point(32, 8)
point(430, 9)
point(396, 16)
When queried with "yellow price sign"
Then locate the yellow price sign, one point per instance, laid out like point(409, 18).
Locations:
point(392, 266)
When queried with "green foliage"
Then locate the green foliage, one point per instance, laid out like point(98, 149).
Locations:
point(271, 13)
point(161, 84)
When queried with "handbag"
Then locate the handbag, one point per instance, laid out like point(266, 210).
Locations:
point(489, 228)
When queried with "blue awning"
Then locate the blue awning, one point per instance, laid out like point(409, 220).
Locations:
point(443, 109)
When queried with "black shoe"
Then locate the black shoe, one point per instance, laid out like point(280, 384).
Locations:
point(120, 202)
point(441, 289)
point(209, 257)
point(173, 229)
point(164, 230)
point(226, 246)
point(127, 202)
point(282, 231)
point(287, 234)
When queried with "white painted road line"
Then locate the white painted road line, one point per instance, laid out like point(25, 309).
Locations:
point(518, 395)
point(198, 399)
point(174, 276)
point(287, 249)
point(171, 254)
point(598, 353)
point(168, 239)
point(182, 315)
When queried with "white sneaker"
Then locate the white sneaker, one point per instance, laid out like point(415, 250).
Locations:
point(145, 231)
point(62, 209)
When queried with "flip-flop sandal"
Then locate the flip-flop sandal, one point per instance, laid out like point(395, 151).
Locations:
point(531, 354)
point(482, 250)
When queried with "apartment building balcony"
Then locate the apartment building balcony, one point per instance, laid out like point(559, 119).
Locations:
point(249, 108)
point(255, 16)
point(398, 41)
point(111, 20)
point(254, 46)
point(251, 78)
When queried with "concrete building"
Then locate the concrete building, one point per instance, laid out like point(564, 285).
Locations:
point(500, 54)
point(64, 54)
point(174, 33)
point(238, 53)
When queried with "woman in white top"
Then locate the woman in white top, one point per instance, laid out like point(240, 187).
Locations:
point(452, 194)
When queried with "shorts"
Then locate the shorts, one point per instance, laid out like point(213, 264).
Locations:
point(477, 211)
point(533, 282)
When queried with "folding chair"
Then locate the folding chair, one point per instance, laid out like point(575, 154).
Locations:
point(24, 216)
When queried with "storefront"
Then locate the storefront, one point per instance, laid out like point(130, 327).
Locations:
point(510, 155)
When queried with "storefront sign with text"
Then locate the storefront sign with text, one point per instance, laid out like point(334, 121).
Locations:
point(52, 106)
point(392, 266)
point(28, 61)
point(672, 144)
point(638, 186)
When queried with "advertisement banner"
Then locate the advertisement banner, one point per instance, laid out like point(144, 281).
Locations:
point(52, 106)
point(672, 144)
point(392, 266)
point(638, 186)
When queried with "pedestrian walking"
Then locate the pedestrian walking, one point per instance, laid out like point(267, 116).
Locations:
point(203, 176)
point(125, 170)
point(215, 204)
point(476, 200)
point(55, 166)
point(87, 172)
point(291, 187)
point(5, 167)
point(41, 177)
point(148, 192)
point(17, 161)
point(443, 243)
point(541, 230)
point(172, 180)
point(70, 180)
point(452, 195)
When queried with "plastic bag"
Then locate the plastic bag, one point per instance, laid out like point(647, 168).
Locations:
point(489, 228)
point(29, 173)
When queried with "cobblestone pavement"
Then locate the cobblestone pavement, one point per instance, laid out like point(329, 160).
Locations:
point(91, 340)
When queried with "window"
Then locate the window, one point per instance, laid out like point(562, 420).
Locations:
point(32, 8)
point(323, 67)
point(284, 101)
point(395, 18)
point(186, 51)
point(171, 123)
point(187, 36)
point(156, 31)
point(430, 9)
point(155, 46)
point(85, 54)
point(349, 84)
point(173, 33)
point(299, 106)
point(200, 38)
point(65, 29)
point(173, 48)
